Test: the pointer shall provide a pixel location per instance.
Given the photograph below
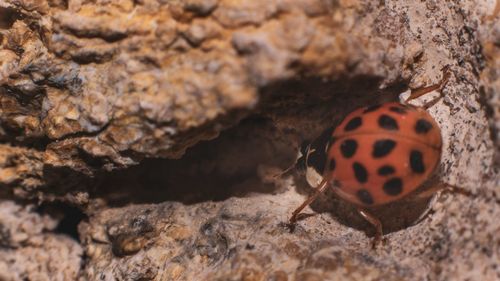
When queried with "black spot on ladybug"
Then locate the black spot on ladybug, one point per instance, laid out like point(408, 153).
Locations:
point(348, 148)
point(360, 172)
point(372, 108)
point(387, 122)
point(393, 186)
point(365, 196)
point(417, 162)
point(332, 164)
point(422, 126)
point(398, 109)
point(383, 147)
point(386, 170)
point(353, 124)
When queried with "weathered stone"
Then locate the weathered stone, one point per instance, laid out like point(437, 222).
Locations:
point(222, 93)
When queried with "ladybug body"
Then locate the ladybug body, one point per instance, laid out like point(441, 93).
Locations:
point(377, 155)
point(381, 153)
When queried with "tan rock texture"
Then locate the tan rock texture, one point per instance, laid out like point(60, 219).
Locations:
point(165, 122)
point(31, 250)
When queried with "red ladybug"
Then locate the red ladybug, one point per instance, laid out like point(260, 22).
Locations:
point(377, 155)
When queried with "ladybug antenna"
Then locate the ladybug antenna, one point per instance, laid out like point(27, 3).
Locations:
point(284, 172)
point(416, 93)
point(300, 162)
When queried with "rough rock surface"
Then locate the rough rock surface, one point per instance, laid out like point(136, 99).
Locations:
point(90, 91)
point(489, 34)
point(30, 250)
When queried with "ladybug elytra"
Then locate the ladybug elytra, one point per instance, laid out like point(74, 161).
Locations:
point(381, 153)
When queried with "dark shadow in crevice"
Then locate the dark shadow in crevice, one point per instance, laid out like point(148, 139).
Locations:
point(69, 217)
point(312, 105)
point(8, 16)
point(210, 171)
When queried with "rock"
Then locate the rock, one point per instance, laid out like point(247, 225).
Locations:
point(164, 123)
point(29, 249)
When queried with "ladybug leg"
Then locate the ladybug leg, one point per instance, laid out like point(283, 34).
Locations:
point(376, 223)
point(433, 190)
point(416, 93)
point(443, 187)
point(320, 189)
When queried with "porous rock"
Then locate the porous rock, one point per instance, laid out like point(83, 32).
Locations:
point(29, 248)
point(222, 93)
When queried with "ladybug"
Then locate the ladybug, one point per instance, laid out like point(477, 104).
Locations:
point(377, 155)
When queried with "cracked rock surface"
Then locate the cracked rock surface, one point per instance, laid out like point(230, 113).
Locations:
point(141, 139)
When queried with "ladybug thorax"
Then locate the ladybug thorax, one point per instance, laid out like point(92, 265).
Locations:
point(378, 154)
